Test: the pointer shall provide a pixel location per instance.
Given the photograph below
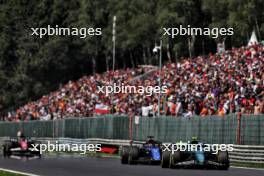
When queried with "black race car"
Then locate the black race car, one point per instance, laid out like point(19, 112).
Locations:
point(21, 146)
point(148, 152)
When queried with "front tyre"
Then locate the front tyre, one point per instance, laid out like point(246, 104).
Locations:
point(175, 158)
point(6, 150)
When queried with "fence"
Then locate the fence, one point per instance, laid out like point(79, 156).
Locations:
point(101, 127)
point(246, 130)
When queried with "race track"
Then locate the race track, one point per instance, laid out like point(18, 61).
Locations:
point(83, 166)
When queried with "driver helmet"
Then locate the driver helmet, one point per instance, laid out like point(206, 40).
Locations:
point(20, 135)
point(194, 140)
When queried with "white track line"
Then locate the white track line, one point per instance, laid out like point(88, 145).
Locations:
point(17, 172)
point(238, 167)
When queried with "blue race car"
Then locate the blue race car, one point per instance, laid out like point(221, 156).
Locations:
point(149, 152)
point(198, 158)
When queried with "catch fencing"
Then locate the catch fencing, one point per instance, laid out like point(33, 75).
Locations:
point(231, 129)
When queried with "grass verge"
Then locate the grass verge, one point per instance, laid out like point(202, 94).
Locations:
point(4, 173)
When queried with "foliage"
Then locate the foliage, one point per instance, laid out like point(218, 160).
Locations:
point(31, 67)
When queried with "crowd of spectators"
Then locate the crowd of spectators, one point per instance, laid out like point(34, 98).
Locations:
point(74, 99)
point(218, 84)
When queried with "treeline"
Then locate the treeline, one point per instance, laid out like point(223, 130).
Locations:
point(31, 67)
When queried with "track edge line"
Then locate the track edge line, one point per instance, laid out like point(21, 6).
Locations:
point(18, 172)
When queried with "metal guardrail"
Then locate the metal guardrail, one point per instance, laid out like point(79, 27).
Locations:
point(75, 141)
point(247, 154)
point(240, 154)
point(45, 140)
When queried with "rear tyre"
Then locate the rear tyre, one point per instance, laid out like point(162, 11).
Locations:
point(223, 160)
point(124, 154)
point(133, 155)
point(39, 155)
point(37, 152)
point(165, 159)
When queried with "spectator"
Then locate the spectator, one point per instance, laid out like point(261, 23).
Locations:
point(218, 84)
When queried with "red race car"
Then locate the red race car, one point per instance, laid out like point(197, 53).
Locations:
point(20, 146)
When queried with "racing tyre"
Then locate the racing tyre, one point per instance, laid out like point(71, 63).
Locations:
point(223, 160)
point(133, 155)
point(37, 153)
point(175, 158)
point(124, 155)
point(6, 150)
point(165, 159)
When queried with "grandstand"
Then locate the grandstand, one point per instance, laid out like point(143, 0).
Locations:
point(216, 84)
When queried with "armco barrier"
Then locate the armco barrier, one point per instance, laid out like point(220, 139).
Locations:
point(247, 154)
point(76, 141)
point(240, 154)
point(245, 130)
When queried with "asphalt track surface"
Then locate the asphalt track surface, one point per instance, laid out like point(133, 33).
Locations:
point(91, 166)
